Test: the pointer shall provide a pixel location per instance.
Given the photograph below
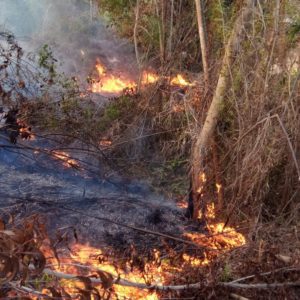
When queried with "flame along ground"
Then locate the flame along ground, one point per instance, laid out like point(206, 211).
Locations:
point(159, 272)
point(65, 158)
point(109, 83)
point(219, 238)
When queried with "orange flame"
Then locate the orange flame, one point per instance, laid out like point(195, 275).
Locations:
point(219, 238)
point(109, 83)
point(89, 256)
point(149, 78)
point(105, 143)
point(180, 81)
point(65, 157)
point(25, 130)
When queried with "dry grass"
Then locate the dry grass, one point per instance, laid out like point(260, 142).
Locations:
point(258, 136)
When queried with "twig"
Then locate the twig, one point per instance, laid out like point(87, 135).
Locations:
point(290, 145)
point(263, 274)
point(238, 297)
point(259, 285)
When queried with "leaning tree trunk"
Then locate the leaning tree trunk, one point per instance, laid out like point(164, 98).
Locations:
point(201, 145)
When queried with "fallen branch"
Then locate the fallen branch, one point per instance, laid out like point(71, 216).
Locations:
point(122, 282)
point(196, 285)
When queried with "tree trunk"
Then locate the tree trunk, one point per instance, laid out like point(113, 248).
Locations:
point(171, 30)
point(202, 37)
point(135, 29)
point(202, 142)
point(161, 29)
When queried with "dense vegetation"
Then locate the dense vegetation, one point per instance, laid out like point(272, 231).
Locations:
point(246, 168)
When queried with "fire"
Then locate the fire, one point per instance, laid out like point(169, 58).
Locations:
point(202, 180)
point(180, 81)
point(182, 204)
point(210, 211)
point(25, 130)
point(105, 143)
point(149, 78)
point(219, 187)
point(85, 255)
point(219, 237)
point(65, 157)
point(109, 83)
point(195, 261)
point(85, 260)
point(100, 69)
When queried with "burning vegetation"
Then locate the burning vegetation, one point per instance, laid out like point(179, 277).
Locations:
point(112, 84)
point(226, 147)
point(64, 268)
point(65, 158)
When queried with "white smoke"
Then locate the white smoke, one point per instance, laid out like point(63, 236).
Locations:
point(66, 26)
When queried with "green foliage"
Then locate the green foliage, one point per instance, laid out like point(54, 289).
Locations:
point(112, 112)
point(220, 16)
point(293, 33)
point(42, 281)
point(115, 110)
point(47, 61)
point(120, 13)
point(226, 274)
point(293, 12)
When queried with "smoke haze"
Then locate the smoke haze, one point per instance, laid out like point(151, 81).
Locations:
point(66, 26)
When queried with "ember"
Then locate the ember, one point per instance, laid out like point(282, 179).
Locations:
point(105, 143)
point(65, 157)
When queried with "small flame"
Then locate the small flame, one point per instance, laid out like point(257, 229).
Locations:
point(220, 237)
point(180, 81)
point(25, 130)
point(65, 157)
point(210, 211)
point(202, 180)
point(105, 143)
point(100, 69)
point(218, 186)
point(182, 204)
point(195, 261)
point(109, 83)
point(149, 78)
